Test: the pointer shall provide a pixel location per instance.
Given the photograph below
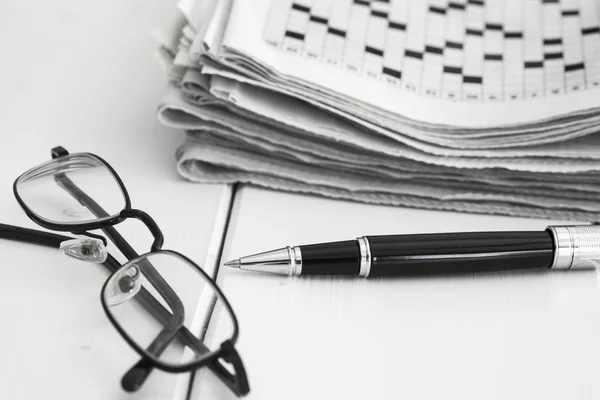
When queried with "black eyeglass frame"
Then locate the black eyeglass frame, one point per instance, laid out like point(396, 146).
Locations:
point(237, 382)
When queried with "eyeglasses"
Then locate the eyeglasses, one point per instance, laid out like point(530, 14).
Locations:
point(160, 302)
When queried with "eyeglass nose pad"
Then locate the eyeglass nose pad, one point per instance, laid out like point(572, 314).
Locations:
point(123, 285)
point(86, 249)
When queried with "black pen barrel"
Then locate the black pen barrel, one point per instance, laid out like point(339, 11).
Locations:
point(456, 253)
point(333, 258)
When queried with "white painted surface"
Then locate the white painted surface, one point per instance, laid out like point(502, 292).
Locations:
point(494, 336)
point(81, 74)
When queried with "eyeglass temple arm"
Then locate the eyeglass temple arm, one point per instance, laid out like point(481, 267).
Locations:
point(32, 236)
point(135, 377)
point(236, 382)
point(149, 302)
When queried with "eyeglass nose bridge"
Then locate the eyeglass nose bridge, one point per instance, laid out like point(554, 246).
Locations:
point(150, 224)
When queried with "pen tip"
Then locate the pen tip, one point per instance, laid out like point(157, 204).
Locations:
point(233, 264)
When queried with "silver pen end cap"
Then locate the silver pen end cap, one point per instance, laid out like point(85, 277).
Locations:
point(233, 264)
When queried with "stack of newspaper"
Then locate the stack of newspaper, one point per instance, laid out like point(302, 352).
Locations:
point(454, 105)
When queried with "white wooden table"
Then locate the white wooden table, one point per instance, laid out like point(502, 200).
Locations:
point(82, 74)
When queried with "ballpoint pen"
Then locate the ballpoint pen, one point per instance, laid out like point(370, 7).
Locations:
point(557, 247)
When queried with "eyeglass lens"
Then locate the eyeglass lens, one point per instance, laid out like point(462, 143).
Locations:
point(192, 303)
point(42, 189)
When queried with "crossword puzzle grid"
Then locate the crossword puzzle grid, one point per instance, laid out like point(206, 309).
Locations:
point(459, 49)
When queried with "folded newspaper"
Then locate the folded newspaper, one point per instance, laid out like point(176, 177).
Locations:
point(455, 105)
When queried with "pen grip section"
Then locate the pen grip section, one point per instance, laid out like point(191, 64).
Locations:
point(459, 253)
point(334, 258)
